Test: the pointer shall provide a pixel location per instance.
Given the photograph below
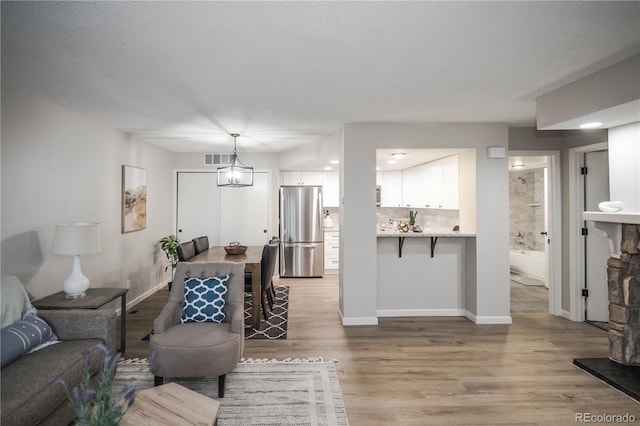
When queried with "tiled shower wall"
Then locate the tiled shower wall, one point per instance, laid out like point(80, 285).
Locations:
point(526, 208)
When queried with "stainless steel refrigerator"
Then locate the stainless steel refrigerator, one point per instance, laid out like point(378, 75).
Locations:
point(301, 232)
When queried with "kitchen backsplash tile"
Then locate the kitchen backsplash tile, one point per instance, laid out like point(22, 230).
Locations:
point(427, 219)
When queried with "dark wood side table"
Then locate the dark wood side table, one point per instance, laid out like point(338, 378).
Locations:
point(94, 299)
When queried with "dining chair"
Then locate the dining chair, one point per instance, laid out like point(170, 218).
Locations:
point(184, 347)
point(186, 251)
point(267, 267)
point(201, 244)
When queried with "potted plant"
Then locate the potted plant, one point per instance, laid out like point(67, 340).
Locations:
point(169, 245)
point(412, 217)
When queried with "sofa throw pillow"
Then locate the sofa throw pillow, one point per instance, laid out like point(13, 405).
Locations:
point(204, 299)
point(20, 337)
point(15, 300)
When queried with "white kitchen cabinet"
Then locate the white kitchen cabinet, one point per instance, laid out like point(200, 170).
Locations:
point(391, 188)
point(331, 189)
point(431, 185)
point(302, 178)
point(331, 252)
point(450, 182)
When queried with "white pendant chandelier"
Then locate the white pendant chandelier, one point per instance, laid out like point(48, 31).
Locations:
point(236, 174)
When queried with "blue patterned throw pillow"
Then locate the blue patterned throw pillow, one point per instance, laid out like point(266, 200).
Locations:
point(204, 299)
point(24, 335)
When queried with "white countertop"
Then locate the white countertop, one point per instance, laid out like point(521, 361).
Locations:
point(424, 234)
point(613, 217)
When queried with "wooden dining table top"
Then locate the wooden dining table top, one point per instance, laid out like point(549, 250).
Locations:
point(217, 254)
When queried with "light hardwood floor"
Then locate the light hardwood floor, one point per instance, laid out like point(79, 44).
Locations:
point(440, 371)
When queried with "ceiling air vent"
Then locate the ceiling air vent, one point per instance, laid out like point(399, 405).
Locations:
point(217, 159)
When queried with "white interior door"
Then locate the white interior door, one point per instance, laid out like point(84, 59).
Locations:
point(596, 190)
point(244, 212)
point(198, 206)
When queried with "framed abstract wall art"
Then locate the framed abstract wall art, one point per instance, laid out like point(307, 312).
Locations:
point(134, 199)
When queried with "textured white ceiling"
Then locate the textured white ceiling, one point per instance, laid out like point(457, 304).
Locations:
point(186, 74)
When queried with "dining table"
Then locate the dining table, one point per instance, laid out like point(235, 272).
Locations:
point(251, 259)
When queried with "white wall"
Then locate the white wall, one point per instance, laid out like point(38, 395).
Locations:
point(624, 165)
point(57, 166)
point(358, 276)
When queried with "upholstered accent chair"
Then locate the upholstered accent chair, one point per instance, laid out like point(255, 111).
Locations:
point(201, 244)
point(199, 349)
point(267, 267)
point(186, 251)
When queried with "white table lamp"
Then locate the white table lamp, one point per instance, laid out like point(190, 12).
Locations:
point(75, 239)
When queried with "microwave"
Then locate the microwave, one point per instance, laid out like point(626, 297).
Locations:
point(378, 195)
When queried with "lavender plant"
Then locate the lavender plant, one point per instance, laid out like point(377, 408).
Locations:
point(100, 406)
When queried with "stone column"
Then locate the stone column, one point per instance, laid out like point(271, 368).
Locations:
point(624, 299)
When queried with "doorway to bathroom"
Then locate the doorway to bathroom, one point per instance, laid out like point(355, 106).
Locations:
point(533, 193)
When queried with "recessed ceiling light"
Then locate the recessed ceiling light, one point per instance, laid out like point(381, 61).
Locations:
point(398, 155)
point(391, 162)
point(591, 125)
point(328, 168)
point(334, 162)
point(517, 166)
point(377, 168)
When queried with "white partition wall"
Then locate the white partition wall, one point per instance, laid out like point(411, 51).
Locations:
point(487, 280)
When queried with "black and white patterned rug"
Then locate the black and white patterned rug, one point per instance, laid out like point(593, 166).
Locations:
point(276, 327)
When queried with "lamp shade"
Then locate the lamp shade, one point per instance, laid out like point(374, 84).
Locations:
point(76, 238)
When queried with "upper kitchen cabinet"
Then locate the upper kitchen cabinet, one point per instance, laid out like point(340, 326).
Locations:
point(302, 178)
point(450, 182)
point(431, 185)
point(390, 188)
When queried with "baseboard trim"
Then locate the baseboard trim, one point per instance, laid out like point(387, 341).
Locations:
point(420, 312)
point(489, 319)
point(359, 320)
point(134, 302)
point(566, 315)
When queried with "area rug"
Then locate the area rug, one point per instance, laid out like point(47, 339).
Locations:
point(276, 327)
point(261, 392)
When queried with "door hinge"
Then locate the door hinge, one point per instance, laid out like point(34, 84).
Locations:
point(585, 292)
point(583, 170)
point(585, 231)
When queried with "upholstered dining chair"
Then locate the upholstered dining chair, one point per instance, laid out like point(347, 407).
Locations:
point(201, 244)
point(182, 346)
point(186, 251)
point(267, 267)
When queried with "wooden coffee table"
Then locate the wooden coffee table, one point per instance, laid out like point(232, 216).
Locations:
point(171, 404)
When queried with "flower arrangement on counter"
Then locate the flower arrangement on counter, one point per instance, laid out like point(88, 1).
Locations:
point(101, 406)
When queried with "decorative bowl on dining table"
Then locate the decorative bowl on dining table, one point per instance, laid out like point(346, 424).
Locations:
point(235, 249)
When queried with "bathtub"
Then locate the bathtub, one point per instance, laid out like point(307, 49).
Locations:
point(528, 262)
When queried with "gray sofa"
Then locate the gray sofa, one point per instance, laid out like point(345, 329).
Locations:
point(30, 395)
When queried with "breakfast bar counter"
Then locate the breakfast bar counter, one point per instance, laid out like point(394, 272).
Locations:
point(433, 235)
point(416, 278)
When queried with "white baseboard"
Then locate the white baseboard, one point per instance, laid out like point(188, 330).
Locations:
point(134, 302)
point(488, 319)
point(566, 315)
point(420, 312)
point(359, 321)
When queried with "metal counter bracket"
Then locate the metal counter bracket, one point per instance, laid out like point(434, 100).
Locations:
point(434, 241)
